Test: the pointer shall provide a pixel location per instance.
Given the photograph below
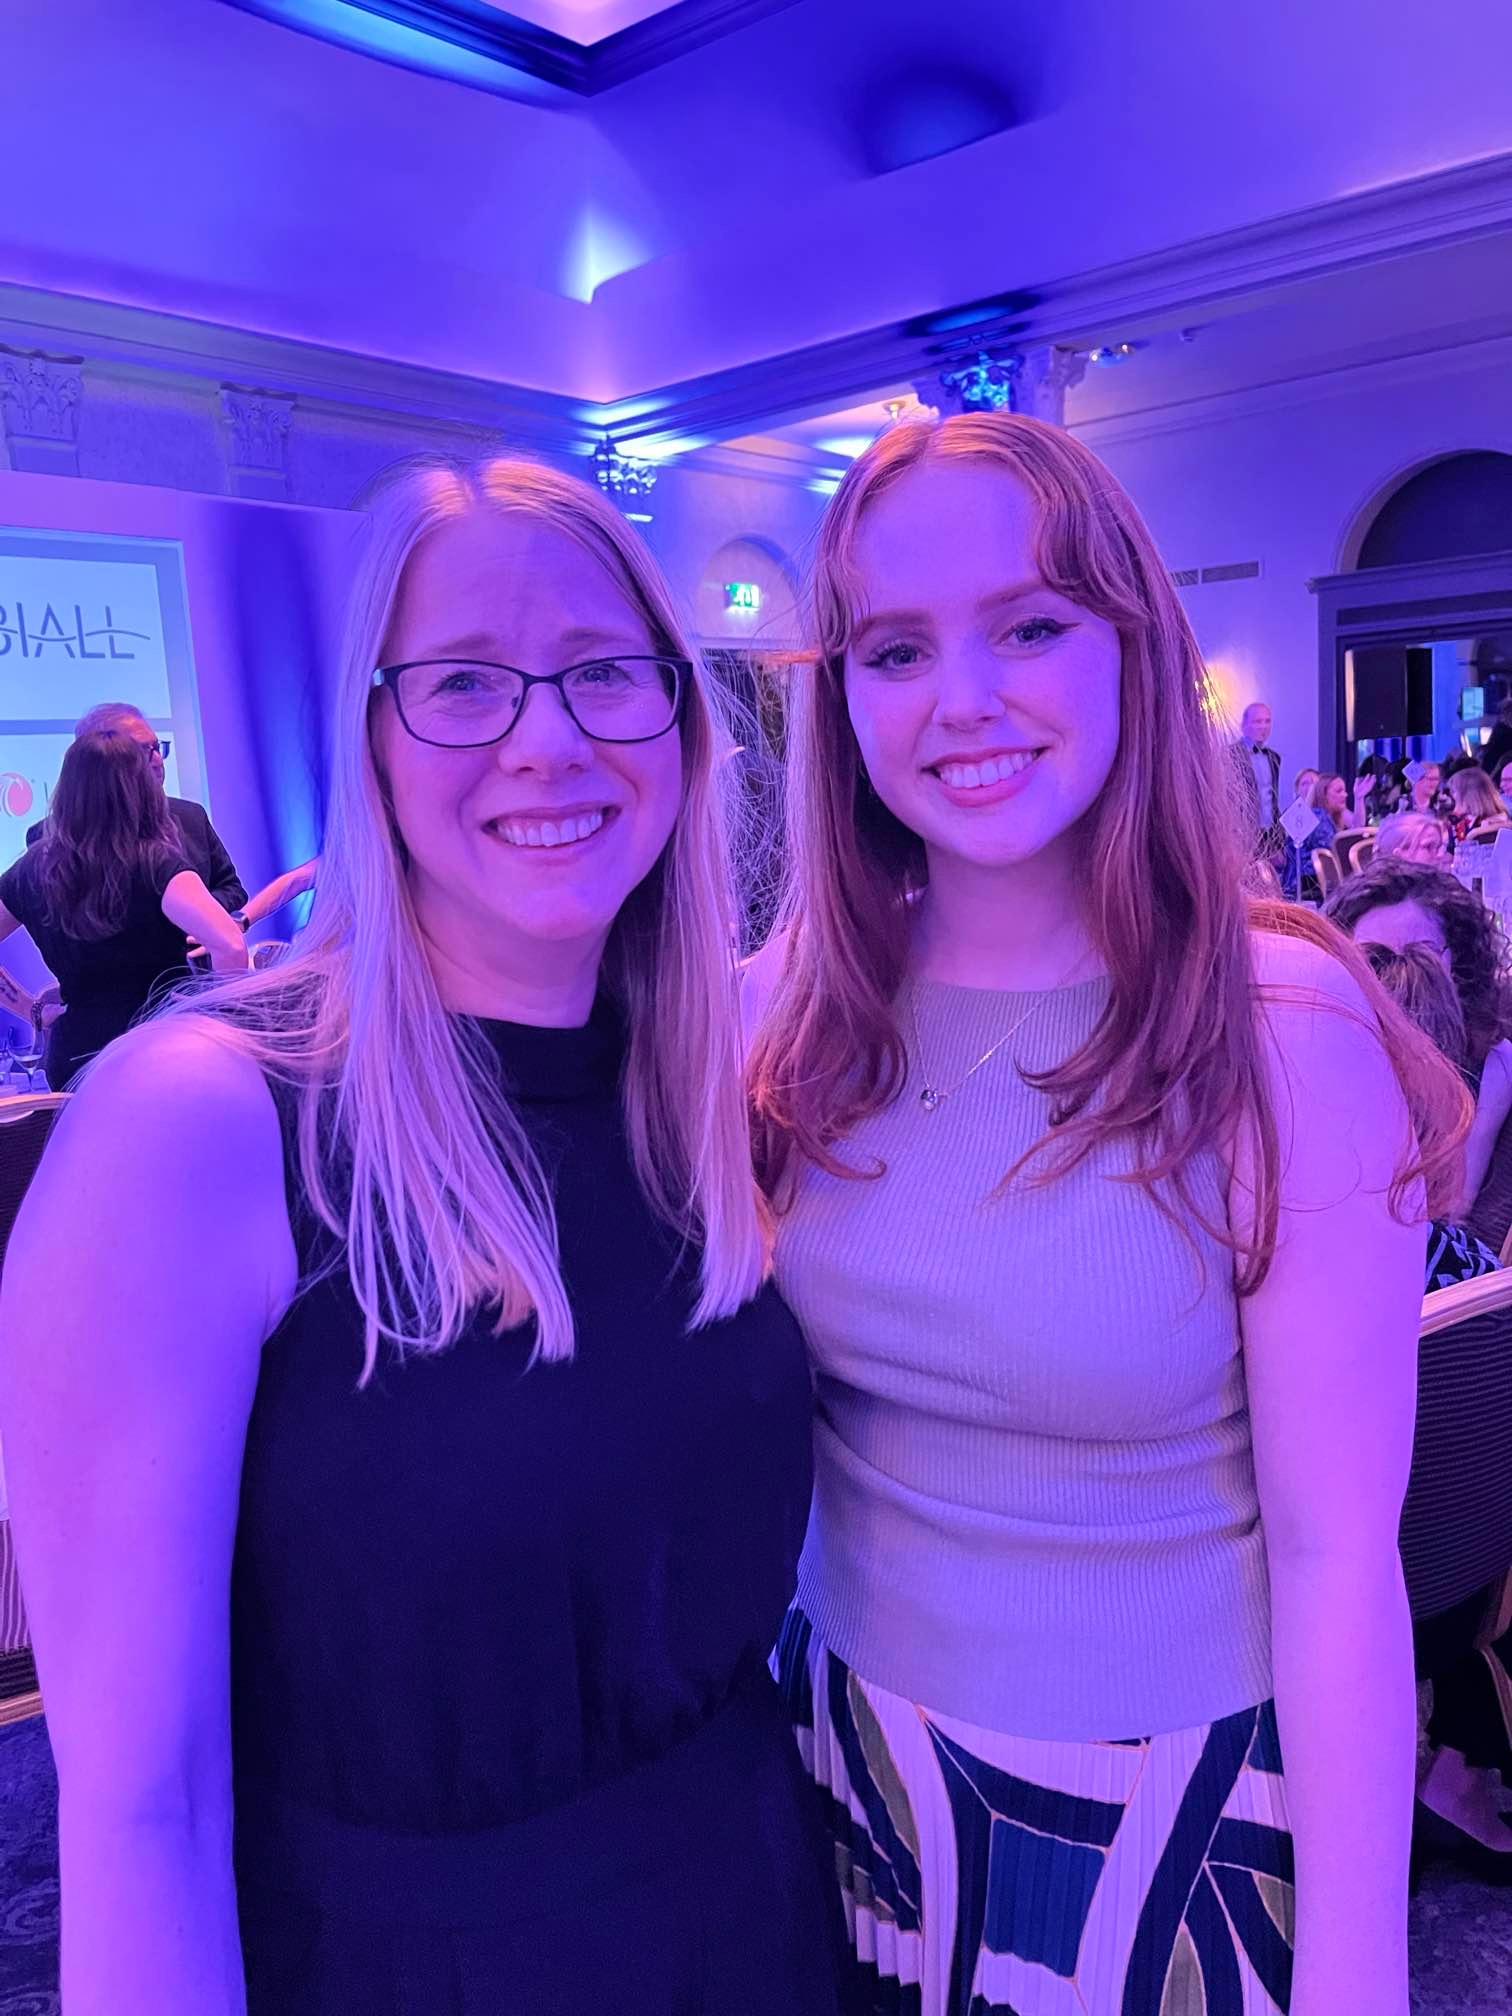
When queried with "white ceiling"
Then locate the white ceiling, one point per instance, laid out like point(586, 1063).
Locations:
point(584, 21)
point(795, 183)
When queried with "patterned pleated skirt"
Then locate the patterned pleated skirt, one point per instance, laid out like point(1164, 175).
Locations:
point(991, 1875)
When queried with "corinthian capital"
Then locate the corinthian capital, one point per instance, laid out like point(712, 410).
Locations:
point(39, 410)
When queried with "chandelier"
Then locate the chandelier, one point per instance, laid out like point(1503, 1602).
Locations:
point(625, 479)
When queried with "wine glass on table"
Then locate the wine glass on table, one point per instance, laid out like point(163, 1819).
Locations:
point(30, 1058)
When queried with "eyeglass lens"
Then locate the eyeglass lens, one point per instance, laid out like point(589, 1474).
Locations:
point(459, 703)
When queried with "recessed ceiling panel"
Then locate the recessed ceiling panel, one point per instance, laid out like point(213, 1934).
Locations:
point(582, 21)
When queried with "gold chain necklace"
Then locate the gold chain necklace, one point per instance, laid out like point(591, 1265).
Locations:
point(932, 1096)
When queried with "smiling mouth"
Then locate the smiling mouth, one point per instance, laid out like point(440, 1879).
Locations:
point(975, 776)
point(546, 834)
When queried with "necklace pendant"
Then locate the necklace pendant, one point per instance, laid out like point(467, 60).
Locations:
point(929, 1099)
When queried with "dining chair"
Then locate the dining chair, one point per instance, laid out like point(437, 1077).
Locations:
point(1456, 1532)
point(1348, 846)
point(1325, 864)
point(26, 1120)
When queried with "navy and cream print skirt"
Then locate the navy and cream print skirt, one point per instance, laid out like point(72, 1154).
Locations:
point(991, 1875)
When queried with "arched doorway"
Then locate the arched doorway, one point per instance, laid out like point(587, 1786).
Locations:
point(1415, 637)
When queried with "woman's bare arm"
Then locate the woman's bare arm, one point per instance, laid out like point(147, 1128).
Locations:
point(188, 903)
point(1332, 1395)
point(281, 890)
point(127, 1370)
point(14, 999)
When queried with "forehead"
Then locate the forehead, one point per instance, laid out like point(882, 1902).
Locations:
point(944, 534)
point(501, 576)
point(1399, 924)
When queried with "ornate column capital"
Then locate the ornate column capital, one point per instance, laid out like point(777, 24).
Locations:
point(39, 411)
point(255, 438)
point(1044, 378)
point(982, 383)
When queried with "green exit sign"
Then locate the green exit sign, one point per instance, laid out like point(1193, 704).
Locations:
point(742, 595)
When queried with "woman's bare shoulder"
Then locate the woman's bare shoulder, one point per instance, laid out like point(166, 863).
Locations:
point(183, 1117)
point(185, 1073)
point(1297, 973)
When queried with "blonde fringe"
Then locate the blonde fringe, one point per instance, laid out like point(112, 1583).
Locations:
point(446, 1209)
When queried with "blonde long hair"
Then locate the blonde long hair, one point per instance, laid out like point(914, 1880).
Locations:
point(445, 1208)
point(1175, 1061)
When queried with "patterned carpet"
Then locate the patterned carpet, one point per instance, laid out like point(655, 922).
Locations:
point(28, 1873)
point(1461, 1933)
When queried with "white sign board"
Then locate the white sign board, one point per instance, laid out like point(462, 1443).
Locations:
point(85, 618)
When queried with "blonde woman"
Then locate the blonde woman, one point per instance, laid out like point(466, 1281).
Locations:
point(408, 1464)
point(1066, 1142)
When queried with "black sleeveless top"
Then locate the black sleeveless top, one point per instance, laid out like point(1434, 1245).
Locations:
point(475, 1590)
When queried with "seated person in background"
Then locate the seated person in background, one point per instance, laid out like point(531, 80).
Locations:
point(1504, 786)
point(1398, 904)
point(1426, 789)
point(1411, 836)
point(1330, 797)
point(1416, 979)
point(1296, 873)
point(199, 843)
point(109, 898)
point(1477, 803)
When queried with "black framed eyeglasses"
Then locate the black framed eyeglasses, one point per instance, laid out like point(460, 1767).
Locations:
point(466, 703)
point(164, 747)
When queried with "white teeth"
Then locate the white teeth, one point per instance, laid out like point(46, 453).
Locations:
point(550, 832)
point(971, 776)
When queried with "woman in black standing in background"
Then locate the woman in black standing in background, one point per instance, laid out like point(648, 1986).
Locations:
point(110, 900)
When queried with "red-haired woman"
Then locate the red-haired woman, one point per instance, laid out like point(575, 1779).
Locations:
point(109, 899)
point(1064, 1142)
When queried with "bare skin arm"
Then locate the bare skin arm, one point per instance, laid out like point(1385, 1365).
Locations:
point(188, 903)
point(14, 998)
point(1332, 1407)
point(128, 1366)
point(281, 890)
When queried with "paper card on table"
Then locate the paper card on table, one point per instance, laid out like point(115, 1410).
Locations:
point(1298, 821)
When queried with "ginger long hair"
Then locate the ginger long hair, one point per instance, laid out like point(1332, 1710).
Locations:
point(408, 1150)
point(108, 826)
point(1175, 1064)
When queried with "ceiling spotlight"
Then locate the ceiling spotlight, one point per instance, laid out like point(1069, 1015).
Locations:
point(1113, 353)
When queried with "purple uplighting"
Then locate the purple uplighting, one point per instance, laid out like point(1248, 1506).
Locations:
point(755, 1009)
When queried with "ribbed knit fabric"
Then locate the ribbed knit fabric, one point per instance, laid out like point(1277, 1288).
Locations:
point(1035, 1501)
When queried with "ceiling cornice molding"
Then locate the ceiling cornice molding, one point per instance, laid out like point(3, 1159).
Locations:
point(787, 462)
point(516, 48)
point(1301, 389)
point(692, 418)
point(148, 345)
point(1449, 206)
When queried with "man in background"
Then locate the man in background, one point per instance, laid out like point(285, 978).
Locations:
point(1259, 769)
point(204, 849)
